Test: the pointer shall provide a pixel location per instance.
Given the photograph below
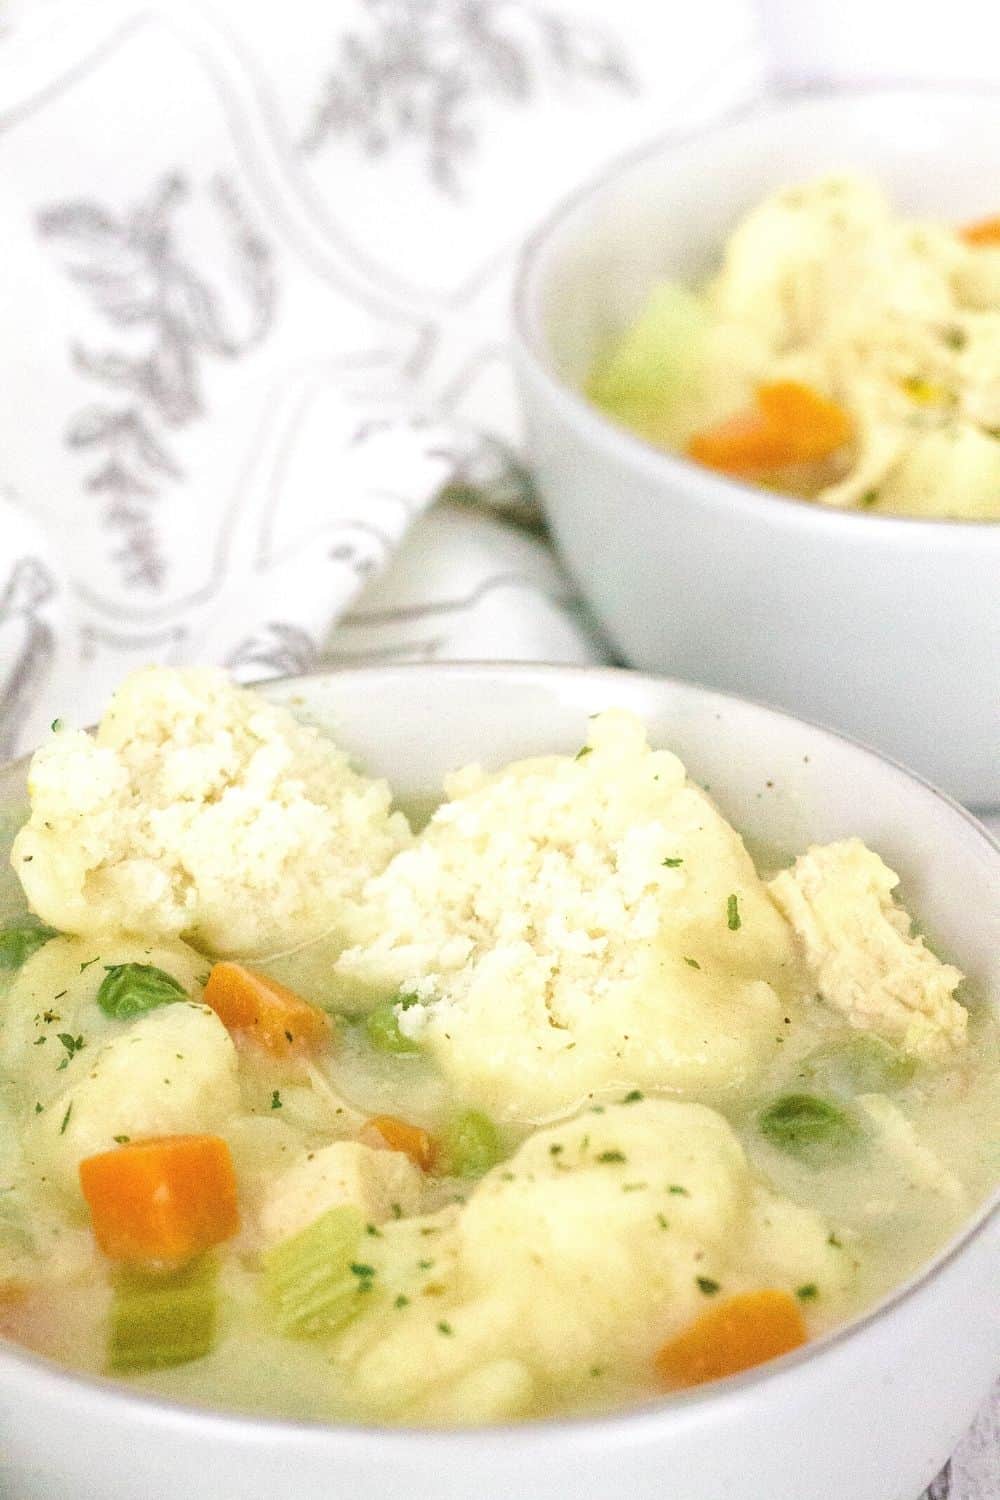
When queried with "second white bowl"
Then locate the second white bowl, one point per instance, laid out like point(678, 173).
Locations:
point(885, 627)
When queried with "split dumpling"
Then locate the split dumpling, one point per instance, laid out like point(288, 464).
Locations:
point(198, 809)
point(575, 925)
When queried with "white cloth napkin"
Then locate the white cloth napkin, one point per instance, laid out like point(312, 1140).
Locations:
point(256, 270)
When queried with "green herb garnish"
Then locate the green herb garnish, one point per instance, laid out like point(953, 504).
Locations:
point(130, 990)
point(807, 1293)
point(633, 1096)
point(692, 963)
point(65, 1118)
point(733, 920)
point(275, 1099)
point(672, 864)
point(611, 1158)
point(19, 941)
point(707, 1285)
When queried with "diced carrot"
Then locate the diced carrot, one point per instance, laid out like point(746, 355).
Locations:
point(735, 1335)
point(982, 232)
point(790, 424)
point(262, 1008)
point(164, 1199)
point(386, 1131)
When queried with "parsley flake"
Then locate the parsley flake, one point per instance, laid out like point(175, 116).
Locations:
point(807, 1293)
point(65, 1118)
point(707, 1285)
point(733, 919)
point(275, 1099)
point(671, 864)
point(611, 1157)
point(678, 1191)
point(446, 1329)
point(401, 1301)
point(633, 1096)
point(585, 750)
point(692, 963)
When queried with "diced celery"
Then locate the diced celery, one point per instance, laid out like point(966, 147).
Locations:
point(313, 1280)
point(130, 990)
point(472, 1144)
point(163, 1318)
point(382, 1026)
point(657, 360)
point(20, 940)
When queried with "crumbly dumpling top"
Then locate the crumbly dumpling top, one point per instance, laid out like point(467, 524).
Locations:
point(199, 809)
point(576, 925)
point(857, 940)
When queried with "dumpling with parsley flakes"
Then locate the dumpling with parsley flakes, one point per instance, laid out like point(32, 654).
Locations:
point(574, 925)
point(528, 1283)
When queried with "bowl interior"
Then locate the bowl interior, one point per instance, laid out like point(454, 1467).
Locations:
point(668, 211)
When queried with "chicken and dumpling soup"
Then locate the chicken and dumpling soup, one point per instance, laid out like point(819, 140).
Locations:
point(554, 1104)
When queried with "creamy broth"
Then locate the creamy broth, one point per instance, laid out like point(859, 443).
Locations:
point(478, 1231)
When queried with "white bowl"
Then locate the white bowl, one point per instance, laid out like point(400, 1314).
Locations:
point(885, 627)
point(883, 1400)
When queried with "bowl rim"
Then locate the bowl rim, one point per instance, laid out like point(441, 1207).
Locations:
point(531, 347)
point(111, 1397)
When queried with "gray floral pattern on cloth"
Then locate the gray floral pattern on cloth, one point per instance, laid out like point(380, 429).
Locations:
point(423, 69)
point(170, 317)
point(27, 644)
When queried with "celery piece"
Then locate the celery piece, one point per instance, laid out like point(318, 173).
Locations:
point(860, 1064)
point(657, 359)
point(472, 1144)
point(382, 1026)
point(130, 990)
point(810, 1127)
point(313, 1280)
point(19, 941)
point(163, 1318)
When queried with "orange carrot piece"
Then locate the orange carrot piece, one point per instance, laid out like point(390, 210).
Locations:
point(165, 1199)
point(274, 1016)
point(982, 232)
point(790, 424)
point(737, 1334)
point(385, 1131)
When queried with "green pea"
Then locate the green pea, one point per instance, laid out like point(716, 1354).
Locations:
point(382, 1026)
point(861, 1064)
point(810, 1127)
point(472, 1144)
